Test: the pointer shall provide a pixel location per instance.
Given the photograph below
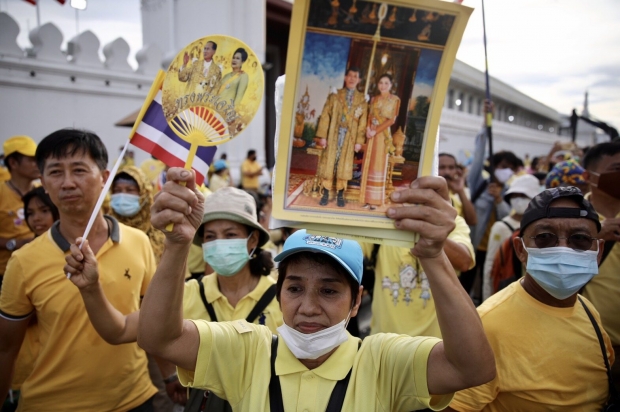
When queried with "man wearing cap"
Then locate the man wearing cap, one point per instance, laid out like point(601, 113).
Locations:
point(314, 361)
point(518, 196)
point(602, 164)
point(14, 232)
point(547, 351)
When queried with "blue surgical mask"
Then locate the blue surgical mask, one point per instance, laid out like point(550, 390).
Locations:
point(561, 271)
point(126, 204)
point(227, 256)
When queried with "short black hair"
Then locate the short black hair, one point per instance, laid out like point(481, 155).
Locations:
point(13, 156)
point(244, 54)
point(509, 157)
point(448, 155)
point(251, 152)
point(67, 142)
point(596, 153)
point(389, 77)
point(319, 260)
point(40, 194)
point(354, 69)
point(214, 44)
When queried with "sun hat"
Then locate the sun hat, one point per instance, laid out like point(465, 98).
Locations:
point(539, 207)
point(526, 185)
point(346, 252)
point(20, 144)
point(230, 203)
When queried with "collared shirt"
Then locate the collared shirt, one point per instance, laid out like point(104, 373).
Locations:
point(75, 368)
point(194, 308)
point(389, 371)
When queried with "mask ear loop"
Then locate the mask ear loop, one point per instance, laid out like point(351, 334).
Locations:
point(255, 247)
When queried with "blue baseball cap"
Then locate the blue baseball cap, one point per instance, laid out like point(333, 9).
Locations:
point(219, 165)
point(346, 252)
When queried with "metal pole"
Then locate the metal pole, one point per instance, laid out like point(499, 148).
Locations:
point(38, 15)
point(489, 116)
point(77, 22)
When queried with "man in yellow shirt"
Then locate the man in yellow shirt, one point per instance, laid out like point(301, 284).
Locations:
point(319, 291)
point(75, 368)
point(250, 172)
point(402, 300)
point(547, 351)
point(449, 170)
point(602, 164)
point(14, 232)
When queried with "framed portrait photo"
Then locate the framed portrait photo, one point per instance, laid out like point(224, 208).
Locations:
point(365, 85)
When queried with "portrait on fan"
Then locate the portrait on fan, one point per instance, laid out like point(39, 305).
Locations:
point(219, 73)
point(362, 99)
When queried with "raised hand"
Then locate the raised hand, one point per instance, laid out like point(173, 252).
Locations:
point(425, 209)
point(495, 190)
point(456, 183)
point(82, 265)
point(181, 205)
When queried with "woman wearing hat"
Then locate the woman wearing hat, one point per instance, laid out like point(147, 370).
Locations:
point(220, 177)
point(313, 361)
point(240, 288)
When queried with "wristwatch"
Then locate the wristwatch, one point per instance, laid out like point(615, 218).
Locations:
point(11, 244)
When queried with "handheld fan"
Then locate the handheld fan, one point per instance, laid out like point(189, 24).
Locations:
point(211, 92)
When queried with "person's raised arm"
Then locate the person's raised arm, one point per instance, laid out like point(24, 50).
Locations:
point(161, 329)
point(464, 358)
point(457, 185)
point(113, 326)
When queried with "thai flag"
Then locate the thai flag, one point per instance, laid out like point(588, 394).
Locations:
point(152, 134)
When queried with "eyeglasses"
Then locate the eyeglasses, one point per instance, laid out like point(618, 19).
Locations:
point(576, 241)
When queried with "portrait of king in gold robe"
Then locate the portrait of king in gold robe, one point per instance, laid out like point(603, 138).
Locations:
point(201, 75)
point(341, 131)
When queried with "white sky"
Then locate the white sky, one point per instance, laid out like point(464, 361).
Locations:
point(552, 50)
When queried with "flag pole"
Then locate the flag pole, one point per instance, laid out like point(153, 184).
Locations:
point(38, 14)
point(489, 115)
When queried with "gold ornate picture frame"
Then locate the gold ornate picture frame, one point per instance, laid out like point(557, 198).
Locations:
point(365, 85)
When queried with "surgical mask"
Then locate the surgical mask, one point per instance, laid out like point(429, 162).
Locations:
point(317, 344)
point(561, 271)
point(503, 175)
point(227, 256)
point(519, 204)
point(125, 204)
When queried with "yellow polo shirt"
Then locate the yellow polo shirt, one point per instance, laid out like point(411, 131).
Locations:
point(547, 358)
point(389, 371)
point(75, 368)
point(402, 300)
point(194, 308)
point(249, 167)
point(604, 292)
point(457, 203)
point(12, 221)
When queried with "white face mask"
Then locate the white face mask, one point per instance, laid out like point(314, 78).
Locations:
point(503, 175)
point(314, 345)
point(519, 204)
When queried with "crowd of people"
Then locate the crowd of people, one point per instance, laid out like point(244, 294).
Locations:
point(509, 301)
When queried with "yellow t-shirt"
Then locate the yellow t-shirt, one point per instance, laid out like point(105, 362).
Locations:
point(604, 292)
point(547, 358)
point(76, 369)
point(12, 222)
point(389, 371)
point(402, 300)
point(27, 355)
point(249, 167)
point(152, 168)
point(457, 204)
point(4, 174)
point(194, 308)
